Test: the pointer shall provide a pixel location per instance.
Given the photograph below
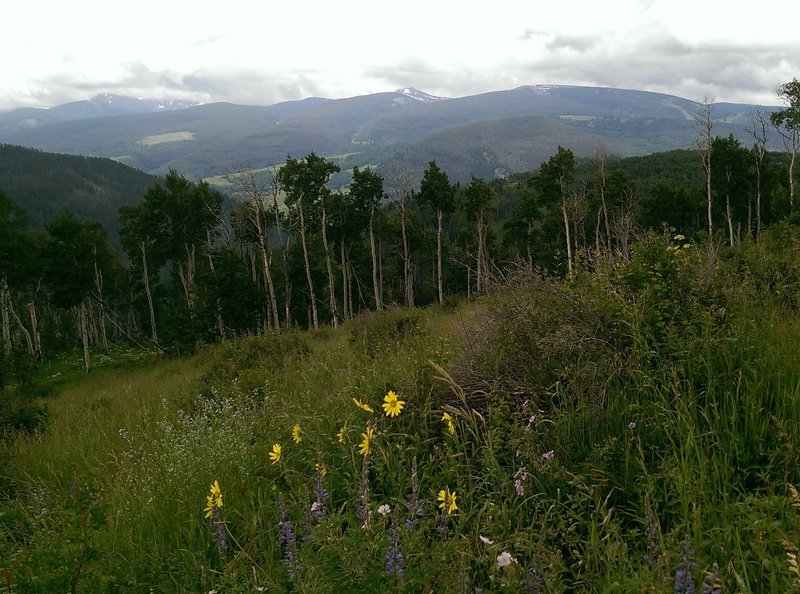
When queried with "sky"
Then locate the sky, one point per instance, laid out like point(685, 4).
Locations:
point(265, 52)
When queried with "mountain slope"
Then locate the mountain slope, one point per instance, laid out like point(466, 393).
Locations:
point(376, 129)
point(93, 188)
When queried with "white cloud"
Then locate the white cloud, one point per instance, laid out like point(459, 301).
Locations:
point(247, 52)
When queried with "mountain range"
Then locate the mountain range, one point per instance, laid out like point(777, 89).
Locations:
point(488, 135)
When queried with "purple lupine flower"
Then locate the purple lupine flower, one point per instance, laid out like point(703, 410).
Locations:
point(684, 580)
point(321, 494)
point(651, 533)
point(288, 540)
point(533, 580)
point(710, 583)
point(395, 562)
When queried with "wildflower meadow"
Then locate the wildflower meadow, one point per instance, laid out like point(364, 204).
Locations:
point(634, 428)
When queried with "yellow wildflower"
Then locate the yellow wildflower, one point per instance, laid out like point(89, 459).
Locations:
point(321, 469)
point(296, 435)
point(213, 500)
point(275, 454)
point(341, 434)
point(392, 405)
point(451, 427)
point(447, 501)
point(366, 444)
point(362, 405)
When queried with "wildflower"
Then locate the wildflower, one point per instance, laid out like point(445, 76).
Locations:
point(684, 580)
point(320, 492)
point(533, 581)
point(485, 540)
point(632, 425)
point(529, 424)
point(711, 583)
point(520, 476)
point(505, 559)
point(451, 427)
point(288, 540)
point(275, 454)
point(392, 405)
point(214, 500)
point(385, 509)
point(362, 405)
point(366, 444)
point(447, 501)
point(213, 504)
point(342, 433)
point(296, 435)
point(395, 562)
point(549, 455)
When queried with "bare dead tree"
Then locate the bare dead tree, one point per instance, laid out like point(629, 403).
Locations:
point(401, 191)
point(704, 142)
point(759, 122)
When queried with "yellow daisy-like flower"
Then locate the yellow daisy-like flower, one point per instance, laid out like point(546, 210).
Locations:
point(366, 445)
point(213, 500)
point(392, 405)
point(296, 435)
point(275, 454)
point(340, 436)
point(447, 501)
point(451, 427)
point(362, 405)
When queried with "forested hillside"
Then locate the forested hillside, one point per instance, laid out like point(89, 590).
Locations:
point(46, 183)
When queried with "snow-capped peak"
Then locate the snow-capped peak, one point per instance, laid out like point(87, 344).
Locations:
point(418, 95)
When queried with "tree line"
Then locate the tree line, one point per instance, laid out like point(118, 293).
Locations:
point(295, 253)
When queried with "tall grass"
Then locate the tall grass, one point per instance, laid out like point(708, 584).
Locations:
point(629, 430)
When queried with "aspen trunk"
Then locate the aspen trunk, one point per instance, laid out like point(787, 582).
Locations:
point(5, 299)
point(479, 259)
point(329, 269)
point(569, 241)
point(791, 169)
point(98, 284)
point(729, 214)
point(375, 285)
point(37, 336)
point(345, 287)
point(311, 295)
point(407, 274)
point(84, 327)
point(149, 295)
point(439, 215)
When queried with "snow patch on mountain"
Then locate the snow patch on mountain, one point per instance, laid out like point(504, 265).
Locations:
point(418, 95)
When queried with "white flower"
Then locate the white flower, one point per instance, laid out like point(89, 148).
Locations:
point(505, 559)
point(549, 455)
point(632, 425)
point(485, 540)
point(315, 507)
point(384, 510)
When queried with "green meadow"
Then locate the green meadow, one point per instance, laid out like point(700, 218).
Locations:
point(634, 428)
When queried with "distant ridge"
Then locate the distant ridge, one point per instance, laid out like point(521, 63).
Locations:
point(491, 134)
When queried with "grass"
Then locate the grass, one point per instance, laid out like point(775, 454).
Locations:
point(610, 432)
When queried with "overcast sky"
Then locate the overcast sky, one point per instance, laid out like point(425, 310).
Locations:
point(265, 52)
